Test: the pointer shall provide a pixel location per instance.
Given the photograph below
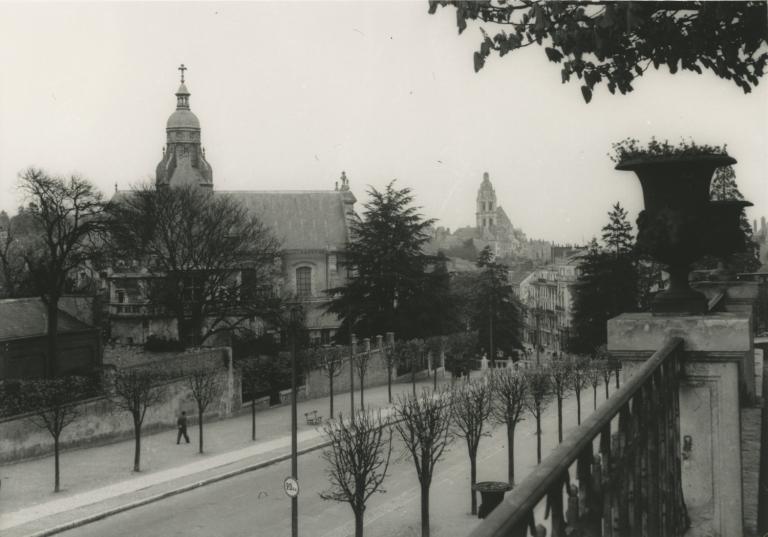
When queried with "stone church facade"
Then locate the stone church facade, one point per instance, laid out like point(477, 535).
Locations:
point(312, 226)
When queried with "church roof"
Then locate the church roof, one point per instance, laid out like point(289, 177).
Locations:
point(301, 220)
point(183, 119)
point(27, 317)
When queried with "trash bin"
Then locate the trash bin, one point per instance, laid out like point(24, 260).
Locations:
point(491, 495)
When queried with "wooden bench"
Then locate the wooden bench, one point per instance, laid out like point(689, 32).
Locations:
point(312, 418)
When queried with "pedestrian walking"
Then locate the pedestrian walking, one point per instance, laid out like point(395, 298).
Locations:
point(182, 425)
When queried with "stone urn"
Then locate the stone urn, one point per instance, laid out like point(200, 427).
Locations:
point(673, 227)
point(491, 495)
point(725, 235)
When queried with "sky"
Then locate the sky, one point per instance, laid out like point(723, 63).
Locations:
point(289, 94)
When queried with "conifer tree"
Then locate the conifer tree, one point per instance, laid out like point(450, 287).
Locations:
point(617, 233)
point(387, 266)
point(723, 188)
point(498, 317)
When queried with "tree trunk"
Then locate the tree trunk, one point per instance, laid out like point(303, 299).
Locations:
point(559, 419)
point(511, 453)
point(359, 523)
point(51, 361)
point(413, 378)
point(253, 417)
point(362, 389)
point(594, 397)
point(578, 407)
point(56, 480)
point(389, 385)
point(200, 429)
point(606, 388)
point(538, 436)
point(137, 445)
point(424, 510)
point(472, 481)
point(616, 372)
point(434, 377)
point(331, 390)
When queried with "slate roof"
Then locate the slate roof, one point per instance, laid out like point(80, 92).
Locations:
point(27, 317)
point(301, 220)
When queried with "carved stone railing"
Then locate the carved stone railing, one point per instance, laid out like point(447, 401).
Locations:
point(618, 474)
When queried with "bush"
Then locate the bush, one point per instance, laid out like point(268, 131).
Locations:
point(158, 344)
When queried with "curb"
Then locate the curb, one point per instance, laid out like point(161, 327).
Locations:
point(157, 497)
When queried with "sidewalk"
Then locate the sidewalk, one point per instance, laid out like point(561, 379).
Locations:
point(100, 480)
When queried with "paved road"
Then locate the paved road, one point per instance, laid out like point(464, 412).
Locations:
point(254, 504)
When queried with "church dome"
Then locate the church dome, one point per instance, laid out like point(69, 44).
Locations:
point(181, 119)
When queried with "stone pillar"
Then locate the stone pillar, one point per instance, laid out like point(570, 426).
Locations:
point(367, 344)
point(353, 344)
point(379, 342)
point(390, 338)
point(717, 346)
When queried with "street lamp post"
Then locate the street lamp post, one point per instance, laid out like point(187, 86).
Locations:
point(295, 313)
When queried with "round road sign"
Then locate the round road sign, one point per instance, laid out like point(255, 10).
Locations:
point(291, 487)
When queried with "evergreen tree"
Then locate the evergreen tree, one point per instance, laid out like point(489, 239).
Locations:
point(387, 265)
point(498, 317)
point(617, 233)
point(607, 285)
point(724, 187)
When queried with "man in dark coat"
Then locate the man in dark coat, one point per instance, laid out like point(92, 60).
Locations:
point(181, 423)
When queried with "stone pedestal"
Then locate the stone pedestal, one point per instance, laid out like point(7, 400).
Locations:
point(718, 353)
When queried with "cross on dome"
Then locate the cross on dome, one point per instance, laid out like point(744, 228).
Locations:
point(182, 68)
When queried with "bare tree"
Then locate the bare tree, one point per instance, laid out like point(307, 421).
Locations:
point(135, 390)
point(330, 360)
point(211, 264)
point(410, 354)
point(205, 385)
point(435, 346)
point(471, 410)
point(539, 392)
point(424, 424)
point(67, 221)
point(358, 459)
point(510, 391)
point(606, 372)
point(251, 377)
point(578, 380)
point(390, 355)
point(361, 363)
point(53, 405)
point(595, 374)
point(560, 373)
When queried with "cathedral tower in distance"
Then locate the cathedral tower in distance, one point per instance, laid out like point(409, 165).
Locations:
point(486, 204)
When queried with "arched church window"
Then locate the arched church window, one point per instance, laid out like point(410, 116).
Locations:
point(303, 282)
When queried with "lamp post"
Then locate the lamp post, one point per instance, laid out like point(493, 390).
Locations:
point(295, 317)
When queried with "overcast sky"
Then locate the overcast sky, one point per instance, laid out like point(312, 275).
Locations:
point(290, 94)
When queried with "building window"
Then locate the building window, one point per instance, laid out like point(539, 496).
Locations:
point(332, 263)
point(304, 282)
point(121, 296)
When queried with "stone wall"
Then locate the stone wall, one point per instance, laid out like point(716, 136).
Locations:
point(318, 384)
point(750, 458)
point(102, 422)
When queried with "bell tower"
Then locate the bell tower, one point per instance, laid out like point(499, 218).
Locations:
point(485, 214)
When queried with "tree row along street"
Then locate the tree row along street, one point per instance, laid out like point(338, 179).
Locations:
point(254, 503)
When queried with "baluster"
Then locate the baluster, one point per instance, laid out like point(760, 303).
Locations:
point(607, 487)
point(682, 522)
point(555, 508)
point(636, 452)
point(617, 456)
point(590, 501)
point(624, 473)
point(654, 446)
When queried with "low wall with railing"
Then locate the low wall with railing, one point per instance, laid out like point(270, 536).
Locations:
point(102, 422)
point(621, 469)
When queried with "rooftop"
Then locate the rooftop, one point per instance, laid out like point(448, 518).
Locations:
point(28, 317)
